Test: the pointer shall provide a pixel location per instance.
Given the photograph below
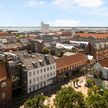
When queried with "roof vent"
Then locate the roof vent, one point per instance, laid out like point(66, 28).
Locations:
point(34, 64)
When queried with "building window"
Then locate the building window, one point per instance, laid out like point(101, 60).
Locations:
point(41, 70)
point(53, 73)
point(34, 73)
point(29, 73)
point(41, 77)
point(47, 68)
point(50, 74)
point(30, 81)
point(34, 80)
point(37, 71)
point(47, 75)
point(51, 68)
point(37, 78)
point(44, 76)
point(3, 84)
point(3, 96)
point(44, 69)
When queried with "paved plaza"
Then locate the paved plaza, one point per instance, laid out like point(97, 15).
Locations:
point(82, 80)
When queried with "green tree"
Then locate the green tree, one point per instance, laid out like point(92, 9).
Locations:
point(96, 101)
point(105, 95)
point(35, 102)
point(93, 90)
point(45, 51)
point(69, 98)
point(90, 82)
point(59, 53)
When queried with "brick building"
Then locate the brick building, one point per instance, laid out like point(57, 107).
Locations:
point(98, 50)
point(67, 64)
point(5, 85)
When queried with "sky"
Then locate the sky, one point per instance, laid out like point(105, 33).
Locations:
point(54, 12)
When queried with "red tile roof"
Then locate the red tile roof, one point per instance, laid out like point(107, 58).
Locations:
point(70, 60)
point(4, 33)
point(104, 62)
point(99, 36)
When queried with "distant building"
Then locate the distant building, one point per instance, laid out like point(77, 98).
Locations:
point(99, 50)
point(37, 45)
point(67, 47)
point(79, 43)
point(93, 35)
point(45, 28)
point(12, 46)
point(32, 45)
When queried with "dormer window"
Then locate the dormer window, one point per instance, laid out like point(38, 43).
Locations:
point(34, 64)
point(41, 62)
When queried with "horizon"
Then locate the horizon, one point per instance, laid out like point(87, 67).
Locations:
point(54, 26)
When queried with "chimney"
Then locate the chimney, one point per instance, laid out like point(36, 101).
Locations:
point(46, 57)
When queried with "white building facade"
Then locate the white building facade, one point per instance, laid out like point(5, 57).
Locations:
point(38, 71)
point(40, 77)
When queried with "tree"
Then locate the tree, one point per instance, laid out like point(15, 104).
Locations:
point(45, 51)
point(93, 90)
point(105, 95)
point(59, 53)
point(90, 82)
point(69, 98)
point(35, 102)
point(96, 101)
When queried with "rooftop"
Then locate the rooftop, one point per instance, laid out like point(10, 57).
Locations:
point(37, 60)
point(104, 62)
point(69, 60)
point(13, 46)
point(95, 35)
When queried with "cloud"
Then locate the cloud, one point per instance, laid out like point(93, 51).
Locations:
point(78, 3)
point(64, 22)
point(90, 3)
point(36, 3)
point(97, 12)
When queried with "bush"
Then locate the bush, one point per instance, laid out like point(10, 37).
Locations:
point(45, 51)
point(59, 53)
point(35, 102)
point(90, 82)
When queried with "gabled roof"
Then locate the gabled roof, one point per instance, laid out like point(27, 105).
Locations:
point(70, 60)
